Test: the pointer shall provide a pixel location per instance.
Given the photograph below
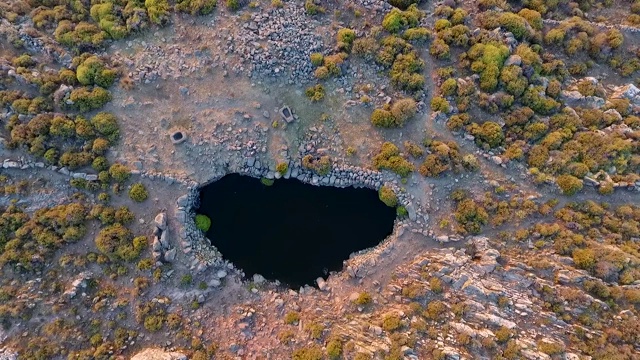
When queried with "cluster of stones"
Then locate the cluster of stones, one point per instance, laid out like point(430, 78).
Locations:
point(290, 38)
point(161, 247)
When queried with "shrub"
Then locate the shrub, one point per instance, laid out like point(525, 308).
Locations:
point(313, 352)
point(315, 93)
point(100, 146)
point(387, 196)
point(514, 24)
point(321, 165)
point(316, 59)
point(403, 4)
point(439, 104)
point(383, 118)
point(413, 149)
point(311, 8)
point(282, 167)
point(100, 163)
point(391, 322)
point(345, 38)
point(153, 323)
point(470, 162)
point(417, 34)
point(448, 87)
point(196, 7)
point(86, 100)
point(439, 49)
point(158, 10)
point(203, 223)
point(471, 216)
point(489, 133)
point(503, 335)
point(569, 184)
point(389, 158)
point(292, 318)
point(321, 73)
point(93, 71)
point(403, 110)
point(364, 298)
point(116, 241)
point(23, 60)
point(550, 348)
point(119, 172)
point(393, 22)
point(334, 349)
point(584, 258)
point(106, 124)
point(232, 5)
point(138, 193)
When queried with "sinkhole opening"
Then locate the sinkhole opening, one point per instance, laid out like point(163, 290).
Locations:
point(291, 231)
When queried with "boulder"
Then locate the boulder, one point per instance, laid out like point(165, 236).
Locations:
point(513, 60)
point(161, 221)
point(629, 91)
point(170, 255)
point(158, 354)
point(575, 99)
point(164, 239)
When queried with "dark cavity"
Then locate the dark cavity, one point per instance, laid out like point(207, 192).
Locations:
point(291, 231)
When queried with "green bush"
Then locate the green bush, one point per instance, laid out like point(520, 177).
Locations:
point(282, 167)
point(119, 172)
point(203, 223)
point(439, 49)
point(321, 165)
point(334, 349)
point(196, 7)
point(117, 241)
point(86, 100)
point(315, 93)
point(489, 132)
point(93, 71)
point(449, 87)
point(514, 24)
point(471, 216)
point(387, 196)
point(158, 10)
point(439, 103)
point(345, 38)
point(316, 59)
point(389, 158)
point(138, 192)
point(23, 60)
point(107, 125)
point(569, 184)
point(383, 118)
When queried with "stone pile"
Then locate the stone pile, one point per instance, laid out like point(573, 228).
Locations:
point(277, 43)
point(161, 247)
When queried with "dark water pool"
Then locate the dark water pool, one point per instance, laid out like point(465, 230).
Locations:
point(291, 231)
